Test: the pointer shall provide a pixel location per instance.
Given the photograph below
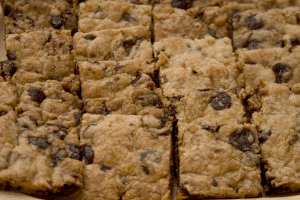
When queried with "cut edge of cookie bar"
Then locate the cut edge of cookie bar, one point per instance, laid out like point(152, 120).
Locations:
point(132, 153)
point(113, 45)
point(99, 15)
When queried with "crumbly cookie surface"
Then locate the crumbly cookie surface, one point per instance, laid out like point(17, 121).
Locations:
point(132, 153)
point(26, 16)
point(99, 15)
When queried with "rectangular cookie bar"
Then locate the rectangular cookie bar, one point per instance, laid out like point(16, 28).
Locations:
point(278, 126)
point(196, 21)
point(254, 29)
point(272, 65)
point(43, 157)
point(218, 162)
point(124, 87)
point(38, 44)
point(113, 44)
point(196, 74)
point(97, 15)
point(26, 16)
point(131, 153)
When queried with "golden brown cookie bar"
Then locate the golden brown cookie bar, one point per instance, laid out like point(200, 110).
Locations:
point(278, 125)
point(38, 44)
point(255, 29)
point(124, 87)
point(196, 21)
point(132, 155)
point(272, 65)
point(32, 15)
point(218, 162)
point(99, 15)
point(113, 44)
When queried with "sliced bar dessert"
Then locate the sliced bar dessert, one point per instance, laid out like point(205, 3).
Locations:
point(99, 15)
point(44, 157)
point(32, 15)
point(218, 151)
point(113, 44)
point(130, 157)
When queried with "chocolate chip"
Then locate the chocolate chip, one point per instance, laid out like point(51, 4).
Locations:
point(155, 77)
point(264, 137)
point(295, 42)
point(252, 23)
point(40, 142)
point(75, 152)
point(199, 15)
point(49, 39)
point(74, 30)
point(87, 154)
point(58, 157)
point(105, 168)
point(242, 139)
point(215, 183)
point(145, 169)
point(212, 33)
point(103, 111)
point(205, 90)
point(175, 98)
point(171, 110)
point(211, 128)
point(182, 4)
point(58, 135)
point(126, 16)
point(11, 56)
point(282, 72)
point(7, 10)
point(89, 37)
point(77, 117)
point(128, 46)
point(138, 77)
point(253, 45)
point(8, 68)
point(3, 112)
point(37, 95)
point(221, 101)
point(57, 22)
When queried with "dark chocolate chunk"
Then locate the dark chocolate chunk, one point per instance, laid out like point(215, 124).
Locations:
point(282, 72)
point(74, 30)
point(175, 98)
point(212, 33)
point(253, 24)
point(295, 42)
point(138, 77)
point(3, 112)
point(205, 90)
point(49, 39)
point(37, 95)
point(42, 143)
point(281, 43)
point(182, 4)
point(8, 68)
point(128, 46)
point(211, 128)
point(171, 110)
point(242, 139)
point(199, 15)
point(75, 152)
point(221, 101)
point(145, 169)
point(57, 157)
point(77, 117)
point(87, 154)
point(57, 22)
point(264, 136)
point(89, 37)
point(7, 10)
point(11, 56)
point(253, 45)
point(105, 168)
point(126, 16)
point(58, 135)
point(215, 183)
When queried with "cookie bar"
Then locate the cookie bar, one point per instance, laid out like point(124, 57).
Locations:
point(124, 87)
point(218, 162)
point(132, 155)
point(196, 21)
point(113, 44)
point(254, 29)
point(26, 16)
point(8, 94)
point(193, 72)
point(272, 65)
point(99, 15)
point(278, 125)
point(44, 158)
point(38, 44)
point(34, 69)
